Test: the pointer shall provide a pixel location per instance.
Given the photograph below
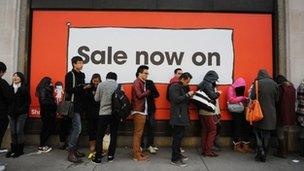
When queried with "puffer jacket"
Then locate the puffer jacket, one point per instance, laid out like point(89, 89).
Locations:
point(232, 97)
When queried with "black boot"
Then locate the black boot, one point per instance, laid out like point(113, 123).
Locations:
point(301, 147)
point(12, 151)
point(282, 149)
point(19, 150)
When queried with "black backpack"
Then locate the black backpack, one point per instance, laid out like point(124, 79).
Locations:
point(121, 106)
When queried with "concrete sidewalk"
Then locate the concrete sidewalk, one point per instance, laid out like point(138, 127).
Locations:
point(228, 160)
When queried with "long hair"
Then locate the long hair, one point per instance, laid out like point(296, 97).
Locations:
point(44, 83)
point(96, 75)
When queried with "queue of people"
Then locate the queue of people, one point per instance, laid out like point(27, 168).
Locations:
point(277, 100)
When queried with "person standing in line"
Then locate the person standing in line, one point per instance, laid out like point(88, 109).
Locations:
point(241, 130)
point(300, 116)
point(44, 92)
point(103, 95)
point(77, 91)
point(140, 110)
point(268, 95)
point(175, 79)
point(286, 113)
point(179, 119)
point(92, 112)
point(177, 73)
point(18, 114)
point(5, 101)
point(150, 122)
point(208, 129)
point(64, 122)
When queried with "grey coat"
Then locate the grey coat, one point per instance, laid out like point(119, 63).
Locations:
point(268, 97)
point(179, 100)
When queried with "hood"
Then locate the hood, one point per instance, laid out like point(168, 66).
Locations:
point(280, 79)
point(211, 76)
point(263, 74)
point(239, 82)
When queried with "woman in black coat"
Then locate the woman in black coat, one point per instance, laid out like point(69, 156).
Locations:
point(92, 112)
point(18, 111)
point(48, 107)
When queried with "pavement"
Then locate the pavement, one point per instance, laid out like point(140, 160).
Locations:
point(56, 160)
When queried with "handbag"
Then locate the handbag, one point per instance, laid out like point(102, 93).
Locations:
point(254, 111)
point(65, 107)
point(203, 101)
point(236, 107)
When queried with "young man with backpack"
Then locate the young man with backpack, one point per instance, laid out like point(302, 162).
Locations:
point(104, 95)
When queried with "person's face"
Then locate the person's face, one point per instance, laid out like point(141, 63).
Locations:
point(185, 81)
point(78, 66)
point(16, 79)
point(144, 74)
point(179, 73)
point(96, 81)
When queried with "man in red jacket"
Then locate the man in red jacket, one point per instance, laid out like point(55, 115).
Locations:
point(140, 109)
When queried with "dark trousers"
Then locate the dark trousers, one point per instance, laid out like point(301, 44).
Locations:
point(178, 135)
point(208, 132)
point(65, 124)
point(103, 122)
point(3, 127)
point(148, 131)
point(17, 128)
point(47, 128)
point(262, 139)
point(93, 125)
point(241, 128)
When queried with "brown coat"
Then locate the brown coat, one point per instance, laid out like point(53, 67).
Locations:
point(138, 95)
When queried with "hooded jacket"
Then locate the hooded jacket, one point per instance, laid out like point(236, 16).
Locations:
point(232, 97)
point(268, 97)
point(286, 114)
point(208, 85)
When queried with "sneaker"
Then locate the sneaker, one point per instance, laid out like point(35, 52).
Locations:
point(155, 148)
point(182, 150)
point(44, 149)
point(179, 163)
point(91, 155)
point(151, 150)
point(3, 150)
point(184, 158)
point(96, 160)
point(110, 159)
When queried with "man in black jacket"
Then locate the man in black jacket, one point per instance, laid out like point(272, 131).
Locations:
point(179, 95)
point(150, 123)
point(5, 100)
point(75, 93)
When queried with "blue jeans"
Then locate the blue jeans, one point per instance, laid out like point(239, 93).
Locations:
point(75, 131)
point(17, 128)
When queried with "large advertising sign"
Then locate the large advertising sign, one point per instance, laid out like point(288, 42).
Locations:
point(120, 50)
point(233, 45)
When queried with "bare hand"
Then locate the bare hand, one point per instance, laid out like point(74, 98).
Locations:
point(191, 93)
point(87, 86)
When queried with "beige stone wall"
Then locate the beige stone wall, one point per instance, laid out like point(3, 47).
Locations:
point(295, 40)
point(9, 10)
